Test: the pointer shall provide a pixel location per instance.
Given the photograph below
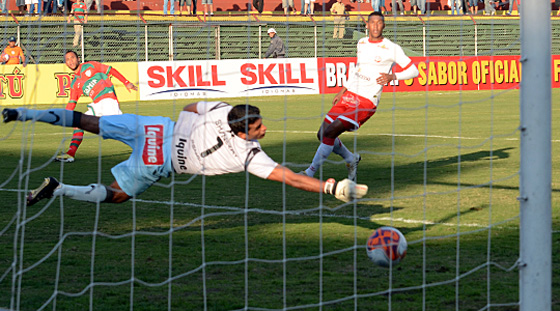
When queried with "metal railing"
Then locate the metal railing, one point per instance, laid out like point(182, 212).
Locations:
point(182, 40)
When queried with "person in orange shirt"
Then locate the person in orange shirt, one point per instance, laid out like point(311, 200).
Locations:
point(13, 54)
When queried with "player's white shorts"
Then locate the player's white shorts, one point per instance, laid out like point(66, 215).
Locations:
point(352, 110)
point(150, 139)
point(104, 107)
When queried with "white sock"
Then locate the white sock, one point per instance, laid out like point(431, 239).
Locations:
point(342, 151)
point(92, 193)
point(321, 155)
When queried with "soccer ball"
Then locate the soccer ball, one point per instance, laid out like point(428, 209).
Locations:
point(386, 244)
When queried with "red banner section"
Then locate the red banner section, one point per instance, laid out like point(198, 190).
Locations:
point(438, 73)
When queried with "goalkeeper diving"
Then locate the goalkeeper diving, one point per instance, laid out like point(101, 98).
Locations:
point(209, 138)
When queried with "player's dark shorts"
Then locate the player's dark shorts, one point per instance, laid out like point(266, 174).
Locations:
point(353, 110)
point(150, 139)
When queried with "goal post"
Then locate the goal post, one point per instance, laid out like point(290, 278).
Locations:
point(535, 178)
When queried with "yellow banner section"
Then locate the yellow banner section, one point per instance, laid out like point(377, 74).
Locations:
point(50, 84)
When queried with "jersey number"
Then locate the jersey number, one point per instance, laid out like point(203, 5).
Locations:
point(209, 151)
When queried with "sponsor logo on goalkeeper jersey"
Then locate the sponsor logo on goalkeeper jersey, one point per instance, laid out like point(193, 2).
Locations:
point(181, 154)
point(153, 145)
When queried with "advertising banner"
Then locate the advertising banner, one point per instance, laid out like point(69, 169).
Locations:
point(436, 73)
point(50, 84)
point(228, 78)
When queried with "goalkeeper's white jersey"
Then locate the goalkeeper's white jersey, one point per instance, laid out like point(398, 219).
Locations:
point(204, 144)
point(374, 58)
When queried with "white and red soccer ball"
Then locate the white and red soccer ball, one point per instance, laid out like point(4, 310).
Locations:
point(386, 245)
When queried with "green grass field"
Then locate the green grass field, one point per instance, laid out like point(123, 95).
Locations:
point(441, 167)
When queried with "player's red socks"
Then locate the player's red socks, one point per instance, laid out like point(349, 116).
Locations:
point(77, 138)
point(328, 141)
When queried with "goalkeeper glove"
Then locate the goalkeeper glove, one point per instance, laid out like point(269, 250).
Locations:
point(345, 190)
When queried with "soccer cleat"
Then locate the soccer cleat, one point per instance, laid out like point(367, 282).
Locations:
point(66, 158)
point(45, 191)
point(353, 167)
point(9, 115)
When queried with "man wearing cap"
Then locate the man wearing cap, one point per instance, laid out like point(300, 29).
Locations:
point(276, 48)
point(13, 54)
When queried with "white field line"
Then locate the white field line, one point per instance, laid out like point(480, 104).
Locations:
point(426, 222)
point(407, 135)
point(69, 134)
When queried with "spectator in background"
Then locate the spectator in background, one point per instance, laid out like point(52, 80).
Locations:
point(186, 3)
point(97, 5)
point(473, 7)
point(13, 54)
point(422, 6)
point(258, 5)
point(205, 4)
point(64, 5)
point(21, 6)
point(338, 10)
point(394, 7)
point(489, 7)
point(511, 2)
point(288, 4)
point(49, 6)
point(456, 8)
point(376, 5)
point(309, 7)
point(414, 6)
point(31, 4)
point(79, 10)
point(276, 48)
point(171, 8)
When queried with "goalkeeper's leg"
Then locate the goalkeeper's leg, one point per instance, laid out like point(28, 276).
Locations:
point(92, 193)
point(60, 117)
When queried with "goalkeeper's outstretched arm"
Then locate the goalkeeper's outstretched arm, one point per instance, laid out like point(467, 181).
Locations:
point(345, 190)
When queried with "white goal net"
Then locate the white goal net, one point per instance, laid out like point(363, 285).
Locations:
point(440, 156)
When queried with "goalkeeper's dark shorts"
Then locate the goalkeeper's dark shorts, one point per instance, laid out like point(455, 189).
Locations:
point(352, 110)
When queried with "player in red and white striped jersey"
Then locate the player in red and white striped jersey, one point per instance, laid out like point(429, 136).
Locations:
point(91, 79)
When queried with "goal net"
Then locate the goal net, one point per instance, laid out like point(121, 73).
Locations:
point(440, 157)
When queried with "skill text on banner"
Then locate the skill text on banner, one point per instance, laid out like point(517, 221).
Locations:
point(227, 78)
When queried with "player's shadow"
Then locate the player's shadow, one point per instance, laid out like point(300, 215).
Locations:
point(229, 191)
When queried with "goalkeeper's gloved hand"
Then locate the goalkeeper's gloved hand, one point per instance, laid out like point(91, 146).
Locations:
point(345, 190)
